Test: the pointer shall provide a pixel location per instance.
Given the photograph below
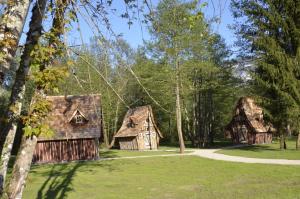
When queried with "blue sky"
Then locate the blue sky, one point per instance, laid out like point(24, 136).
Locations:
point(218, 8)
point(136, 33)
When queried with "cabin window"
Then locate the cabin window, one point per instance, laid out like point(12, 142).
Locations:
point(78, 119)
point(131, 123)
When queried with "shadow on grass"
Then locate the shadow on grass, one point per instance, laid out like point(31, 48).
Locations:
point(58, 183)
point(215, 144)
point(108, 154)
point(60, 177)
point(254, 148)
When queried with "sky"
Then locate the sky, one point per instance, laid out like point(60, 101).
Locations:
point(137, 33)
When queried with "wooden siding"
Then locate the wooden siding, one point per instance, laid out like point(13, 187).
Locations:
point(66, 150)
point(263, 138)
point(128, 143)
point(138, 142)
point(252, 138)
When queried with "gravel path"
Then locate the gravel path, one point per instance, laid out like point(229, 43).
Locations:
point(210, 153)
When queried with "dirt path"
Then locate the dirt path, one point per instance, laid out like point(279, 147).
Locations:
point(210, 153)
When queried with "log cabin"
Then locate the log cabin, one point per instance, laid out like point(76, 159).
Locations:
point(139, 130)
point(77, 125)
point(248, 125)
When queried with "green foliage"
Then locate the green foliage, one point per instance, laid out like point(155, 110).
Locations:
point(34, 121)
point(50, 78)
point(46, 80)
point(179, 30)
point(110, 61)
point(183, 43)
point(42, 129)
point(271, 29)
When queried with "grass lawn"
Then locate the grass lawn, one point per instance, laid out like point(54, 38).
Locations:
point(114, 153)
point(186, 177)
point(271, 151)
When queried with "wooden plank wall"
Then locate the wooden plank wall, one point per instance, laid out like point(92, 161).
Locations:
point(128, 143)
point(263, 138)
point(65, 150)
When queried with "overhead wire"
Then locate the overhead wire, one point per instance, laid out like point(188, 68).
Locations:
point(93, 25)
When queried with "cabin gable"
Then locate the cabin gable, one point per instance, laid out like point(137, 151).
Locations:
point(77, 125)
point(138, 131)
point(247, 124)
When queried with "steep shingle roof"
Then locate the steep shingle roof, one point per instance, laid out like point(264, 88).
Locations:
point(134, 121)
point(63, 110)
point(253, 114)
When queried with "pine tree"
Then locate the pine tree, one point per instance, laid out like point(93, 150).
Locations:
point(270, 31)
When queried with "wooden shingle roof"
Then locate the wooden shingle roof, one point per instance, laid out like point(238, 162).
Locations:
point(63, 110)
point(253, 114)
point(134, 121)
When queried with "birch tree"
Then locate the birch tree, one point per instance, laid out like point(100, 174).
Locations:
point(46, 80)
point(11, 27)
point(18, 90)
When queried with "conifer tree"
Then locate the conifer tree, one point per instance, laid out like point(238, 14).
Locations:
point(269, 30)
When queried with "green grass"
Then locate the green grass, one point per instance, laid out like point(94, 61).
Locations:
point(177, 177)
point(115, 153)
point(270, 151)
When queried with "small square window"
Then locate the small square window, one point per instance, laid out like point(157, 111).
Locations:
point(78, 119)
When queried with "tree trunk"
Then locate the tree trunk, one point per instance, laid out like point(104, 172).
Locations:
point(200, 113)
point(282, 140)
point(105, 137)
point(178, 110)
point(288, 130)
point(284, 144)
point(116, 117)
point(212, 118)
point(298, 142)
point(194, 123)
point(18, 89)
point(23, 162)
point(21, 168)
point(115, 124)
point(11, 27)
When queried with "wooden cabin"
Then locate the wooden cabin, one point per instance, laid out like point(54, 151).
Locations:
point(77, 126)
point(138, 131)
point(247, 124)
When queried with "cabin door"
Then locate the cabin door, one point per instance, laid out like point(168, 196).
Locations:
point(147, 140)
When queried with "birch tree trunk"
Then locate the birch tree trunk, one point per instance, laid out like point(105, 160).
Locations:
point(21, 168)
point(11, 27)
point(178, 109)
point(23, 162)
point(33, 35)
